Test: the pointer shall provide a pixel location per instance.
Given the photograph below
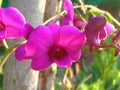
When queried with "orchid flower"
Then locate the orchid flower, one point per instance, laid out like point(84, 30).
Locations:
point(70, 18)
point(117, 36)
point(52, 44)
point(11, 22)
point(26, 30)
point(96, 30)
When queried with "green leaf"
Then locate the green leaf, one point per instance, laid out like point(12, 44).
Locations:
point(5, 3)
point(1, 79)
point(74, 1)
point(94, 2)
point(2, 52)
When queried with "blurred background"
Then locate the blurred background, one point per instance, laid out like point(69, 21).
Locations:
point(97, 70)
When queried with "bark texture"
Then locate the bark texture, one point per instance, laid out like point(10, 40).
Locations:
point(17, 75)
point(47, 77)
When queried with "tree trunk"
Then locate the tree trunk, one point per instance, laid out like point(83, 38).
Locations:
point(19, 75)
point(47, 77)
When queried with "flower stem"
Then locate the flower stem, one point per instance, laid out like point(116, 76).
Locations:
point(54, 17)
point(101, 11)
point(106, 46)
point(109, 46)
point(65, 75)
point(116, 42)
point(7, 54)
point(84, 80)
point(83, 6)
point(67, 84)
point(4, 59)
point(5, 44)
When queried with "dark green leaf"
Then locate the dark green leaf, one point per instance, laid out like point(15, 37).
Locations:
point(5, 3)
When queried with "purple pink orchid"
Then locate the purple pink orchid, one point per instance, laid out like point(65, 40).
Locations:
point(52, 44)
point(96, 30)
point(116, 38)
point(70, 18)
point(26, 30)
point(11, 21)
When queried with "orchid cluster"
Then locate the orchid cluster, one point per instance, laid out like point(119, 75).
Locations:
point(54, 43)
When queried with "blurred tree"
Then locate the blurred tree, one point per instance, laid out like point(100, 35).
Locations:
point(47, 77)
point(17, 75)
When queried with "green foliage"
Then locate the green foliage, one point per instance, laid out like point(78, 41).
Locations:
point(1, 79)
point(2, 49)
point(5, 3)
point(74, 1)
point(105, 71)
point(2, 52)
point(94, 2)
point(115, 3)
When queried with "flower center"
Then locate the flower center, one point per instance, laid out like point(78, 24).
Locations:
point(2, 26)
point(57, 53)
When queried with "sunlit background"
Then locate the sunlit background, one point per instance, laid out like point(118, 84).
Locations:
point(97, 70)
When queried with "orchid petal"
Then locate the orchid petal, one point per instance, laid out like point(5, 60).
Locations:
point(13, 17)
point(12, 32)
point(55, 31)
point(106, 31)
point(117, 36)
point(71, 37)
point(66, 62)
point(75, 56)
point(77, 22)
point(109, 28)
point(72, 40)
point(92, 30)
point(103, 34)
point(26, 30)
point(20, 53)
point(68, 6)
point(40, 41)
point(3, 34)
point(68, 18)
point(42, 63)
